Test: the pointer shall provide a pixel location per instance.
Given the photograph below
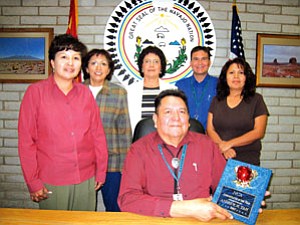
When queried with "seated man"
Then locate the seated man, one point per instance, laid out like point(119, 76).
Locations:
point(172, 172)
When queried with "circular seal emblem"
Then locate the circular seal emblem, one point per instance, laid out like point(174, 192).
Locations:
point(173, 26)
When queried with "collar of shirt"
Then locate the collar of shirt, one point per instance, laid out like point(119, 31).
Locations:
point(56, 90)
point(203, 82)
point(105, 87)
point(159, 140)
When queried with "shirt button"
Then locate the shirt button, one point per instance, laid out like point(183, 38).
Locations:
point(72, 133)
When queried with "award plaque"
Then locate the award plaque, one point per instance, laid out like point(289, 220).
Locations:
point(241, 190)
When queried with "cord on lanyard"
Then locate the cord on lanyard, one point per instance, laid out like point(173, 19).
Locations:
point(176, 173)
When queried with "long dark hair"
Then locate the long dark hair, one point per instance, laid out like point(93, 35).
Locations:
point(250, 83)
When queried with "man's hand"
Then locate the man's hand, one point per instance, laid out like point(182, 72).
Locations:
point(201, 208)
point(39, 195)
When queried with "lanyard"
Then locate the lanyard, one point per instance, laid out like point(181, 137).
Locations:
point(181, 163)
point(203, 92)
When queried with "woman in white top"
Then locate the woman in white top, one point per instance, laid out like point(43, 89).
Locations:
point(152, 66)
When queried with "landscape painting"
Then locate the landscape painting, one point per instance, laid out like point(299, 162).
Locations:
point(24, 55)
point(281, 61)
point(278, 60)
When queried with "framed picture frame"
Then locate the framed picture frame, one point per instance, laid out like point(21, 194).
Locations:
point(24, 54)
point(278, 60)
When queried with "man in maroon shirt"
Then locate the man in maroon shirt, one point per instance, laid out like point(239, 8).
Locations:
point(172, 172)
point(62, 145)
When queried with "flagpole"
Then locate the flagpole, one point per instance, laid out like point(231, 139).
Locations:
point(72, 26)
point(73, 18)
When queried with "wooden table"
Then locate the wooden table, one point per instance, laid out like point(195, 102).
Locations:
point(12, 216)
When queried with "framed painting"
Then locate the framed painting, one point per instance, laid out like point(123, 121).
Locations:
point(24, 54)
point(278, 60)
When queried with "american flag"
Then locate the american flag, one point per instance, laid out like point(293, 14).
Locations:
point(236, 45)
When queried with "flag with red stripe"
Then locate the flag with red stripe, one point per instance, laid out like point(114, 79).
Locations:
point(236, 45)
point(73, 18)
point(72, 27)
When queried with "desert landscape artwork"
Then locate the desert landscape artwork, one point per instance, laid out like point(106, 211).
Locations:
point(281, 61)
point(22, 55)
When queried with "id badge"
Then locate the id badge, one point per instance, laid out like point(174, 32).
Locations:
point(177, 197)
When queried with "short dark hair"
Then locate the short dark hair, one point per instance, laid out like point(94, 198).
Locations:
point(155, 50)
point(250, 83)
point(170, 92)
point(201, 48)
point(97, 52)
point(66, 42)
